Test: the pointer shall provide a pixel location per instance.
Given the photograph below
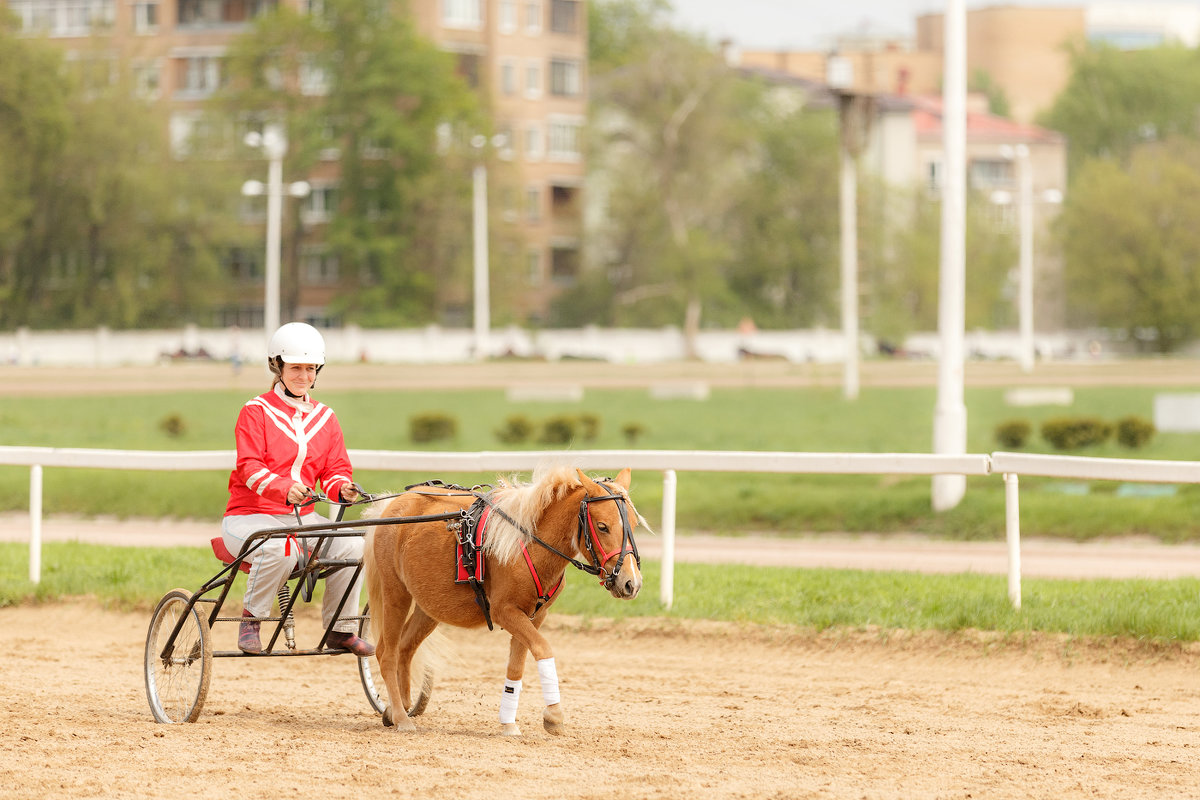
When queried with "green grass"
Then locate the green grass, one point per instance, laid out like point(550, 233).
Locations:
point(808, 419)
point(1150, 610)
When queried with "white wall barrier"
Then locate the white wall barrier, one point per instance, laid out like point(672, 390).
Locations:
point(669, 462)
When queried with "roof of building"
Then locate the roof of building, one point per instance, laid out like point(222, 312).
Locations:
point(981, 126)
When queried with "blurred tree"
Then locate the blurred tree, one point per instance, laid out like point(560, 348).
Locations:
point(358, 81)
point(1118, 99)
point(715, 189)
point(982, 81)
point(98, 228)
point(1132, 246)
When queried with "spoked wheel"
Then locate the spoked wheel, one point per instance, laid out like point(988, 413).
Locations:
point(177, 679)
point(373, 683)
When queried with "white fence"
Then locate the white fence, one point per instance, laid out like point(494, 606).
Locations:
point(669, 462)
point(435, 344)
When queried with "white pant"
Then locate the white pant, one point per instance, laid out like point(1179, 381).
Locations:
point(270, 566)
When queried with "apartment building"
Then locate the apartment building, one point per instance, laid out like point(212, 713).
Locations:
point(527, 58)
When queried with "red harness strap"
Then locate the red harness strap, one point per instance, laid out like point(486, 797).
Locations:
point(543, 596)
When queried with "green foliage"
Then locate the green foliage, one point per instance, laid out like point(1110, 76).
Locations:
point(1131, 245)
point(173, 425)
point(1117, 100)
point(516, 430)
point(559, 429)
point(432, 427)
point(982, 82)
point(589, 427)
point(399, 231)
point(1013, 433)
point(1073, 433)
point(1150, 610)
point(99, 225)
point(1134, 431)
point(632, 431)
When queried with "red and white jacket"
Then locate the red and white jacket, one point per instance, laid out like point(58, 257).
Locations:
point(281, 441)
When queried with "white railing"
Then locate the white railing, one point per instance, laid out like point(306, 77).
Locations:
point(669, 462)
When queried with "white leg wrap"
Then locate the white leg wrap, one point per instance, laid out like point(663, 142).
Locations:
point(548, 674)
point(508, 702)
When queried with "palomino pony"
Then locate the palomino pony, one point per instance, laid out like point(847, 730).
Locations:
point(530, 534)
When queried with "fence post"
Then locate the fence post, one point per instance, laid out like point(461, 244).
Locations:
point(35, 523)
point(667, 590)
point(1012, 535)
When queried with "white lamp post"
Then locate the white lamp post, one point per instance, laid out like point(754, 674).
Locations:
point(950, 413)
point(1024, 200)
point(483, 322)
point(274, 146)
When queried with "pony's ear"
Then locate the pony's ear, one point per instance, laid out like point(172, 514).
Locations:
point(622, 479)
point(588, 484)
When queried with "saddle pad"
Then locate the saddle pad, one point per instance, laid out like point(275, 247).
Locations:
point(463, 572)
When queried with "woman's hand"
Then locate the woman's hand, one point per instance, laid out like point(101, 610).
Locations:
point(349, 493)
point(298, 494)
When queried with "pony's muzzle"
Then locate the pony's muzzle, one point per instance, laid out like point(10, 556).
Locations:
point(627, 581)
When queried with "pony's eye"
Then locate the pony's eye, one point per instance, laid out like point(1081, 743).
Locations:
point(602, 526)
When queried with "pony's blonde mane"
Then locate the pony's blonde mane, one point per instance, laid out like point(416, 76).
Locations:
point(524, 504)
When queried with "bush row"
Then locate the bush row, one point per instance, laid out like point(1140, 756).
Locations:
point(1074, 433)
point(560, 429)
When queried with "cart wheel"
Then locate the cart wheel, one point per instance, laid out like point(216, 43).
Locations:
point(177, 682)
point(374, 687)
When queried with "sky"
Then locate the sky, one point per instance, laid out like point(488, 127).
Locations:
point(813, 24)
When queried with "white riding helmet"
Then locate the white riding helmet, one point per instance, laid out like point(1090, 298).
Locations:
point(297, 343)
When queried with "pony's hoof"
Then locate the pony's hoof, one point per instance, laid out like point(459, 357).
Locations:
point(402, 724)
point(387, 717)
point(552, 719)
point(509, 729)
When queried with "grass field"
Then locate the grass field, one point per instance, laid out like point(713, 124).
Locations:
point(1151, 610)
point(802, 418)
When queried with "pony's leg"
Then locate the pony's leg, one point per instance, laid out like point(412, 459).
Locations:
point(511, 696)
point(391, 612)
point(527, 638)
point(416, 629)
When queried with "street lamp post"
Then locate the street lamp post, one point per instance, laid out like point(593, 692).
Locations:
point(950, 411)
point(482, 316)
point(273, 144)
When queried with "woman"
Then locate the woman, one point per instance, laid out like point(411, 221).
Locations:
point(287, 443)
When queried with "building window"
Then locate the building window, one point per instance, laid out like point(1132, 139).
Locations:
point(533, 203)
point(533, 16)
point(64, 17)
point(564, 264)
point(564, 137)
point(318, 267)
point(535, 143)
point(145, 18)
point(564, 77)
point(147, 79)
point(564, 16)
point(462, 14)
point(564, 200)
point(533, 79)
point(314, 80)
point(508, 16)
point(508, 76)
point(987, 174)
point(200, 75)
point(243, 265)
point(320, 204)
point(467, 68)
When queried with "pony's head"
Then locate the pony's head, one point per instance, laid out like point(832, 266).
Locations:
point(606, 522)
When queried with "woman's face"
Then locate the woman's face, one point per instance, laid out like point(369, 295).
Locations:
point(299, 378)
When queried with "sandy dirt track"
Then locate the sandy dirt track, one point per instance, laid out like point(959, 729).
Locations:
point(655, 710)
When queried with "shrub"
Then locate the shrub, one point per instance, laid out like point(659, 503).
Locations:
point(1072, 433)
point(631, 431)
point(1134, 431)
point(172, 425)
point(589, 427)
point(517, 429)
point(1014, 433)
point(559, 430)
point(432, 427)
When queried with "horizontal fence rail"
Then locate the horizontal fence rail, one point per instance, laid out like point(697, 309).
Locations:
point(669, 462)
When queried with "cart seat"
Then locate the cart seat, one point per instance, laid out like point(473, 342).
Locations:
point(225, 557)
